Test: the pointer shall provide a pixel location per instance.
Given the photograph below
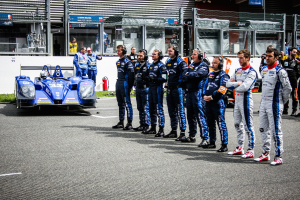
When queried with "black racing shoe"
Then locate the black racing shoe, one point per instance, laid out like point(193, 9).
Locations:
point(210, 145)
point(119, 125)
point(285, 112)
point(203, 143)
point(128, 126)
point(182, 134)
point(188, 140)
point(140, 128)
point(172, 134)
point(298, 115)
point(293, 113)
point(150, 131)
point(223, 148)
point(160, 132)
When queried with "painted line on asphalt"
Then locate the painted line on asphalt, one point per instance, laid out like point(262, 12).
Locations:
point(115, 108)
point(102, 117)
point(11, 174)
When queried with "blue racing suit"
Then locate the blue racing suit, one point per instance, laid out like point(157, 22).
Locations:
point(175, 92)
point(142, 91)
point(123, 87)
point(92, 66)
point(215, 86)
point(80, 61)
point(157, 75)
point(194, 78)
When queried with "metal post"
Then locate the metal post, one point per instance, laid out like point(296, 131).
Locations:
point(49, 43)
point(181, 16)
point(283, 37)
point(101, 39)
point(181, 30)
point(254, 44)
point(221, 41)
point(66, 19)
point(195, 27)
point(264, 10)
point(295, 30)
point(144, 37)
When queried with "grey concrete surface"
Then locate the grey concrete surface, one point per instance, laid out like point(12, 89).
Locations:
point(75, 154)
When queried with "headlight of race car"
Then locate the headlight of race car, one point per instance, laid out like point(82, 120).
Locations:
point(86, 91)
point(28, 91)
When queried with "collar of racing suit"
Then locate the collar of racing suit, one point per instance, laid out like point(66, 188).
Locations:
point(272, 66)
point(247, 67)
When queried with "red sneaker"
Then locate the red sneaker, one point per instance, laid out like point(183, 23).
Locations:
point(264, 157)
point(277, 161)
point(237, 151)
point(249, 154)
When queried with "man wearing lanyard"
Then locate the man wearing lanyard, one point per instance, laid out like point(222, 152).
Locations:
point(92, 64)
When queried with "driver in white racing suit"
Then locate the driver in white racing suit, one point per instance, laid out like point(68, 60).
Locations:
point(276, 90)
point(243, 82)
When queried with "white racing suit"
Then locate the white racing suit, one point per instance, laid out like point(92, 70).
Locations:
point(243, 107)
point(276, 90)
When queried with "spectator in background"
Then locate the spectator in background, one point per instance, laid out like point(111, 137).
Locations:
point(73, 46)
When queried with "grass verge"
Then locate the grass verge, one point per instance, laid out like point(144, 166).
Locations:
point(11, 97)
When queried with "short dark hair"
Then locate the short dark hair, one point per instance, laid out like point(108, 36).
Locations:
point(246, 53)
point(133, 47)
point(83, 48)
point(276, 53)
point(142, 51)
point(294, 48)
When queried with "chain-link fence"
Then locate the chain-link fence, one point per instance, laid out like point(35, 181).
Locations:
point(29, 10)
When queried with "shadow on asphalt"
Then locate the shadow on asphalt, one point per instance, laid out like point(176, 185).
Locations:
point(192, 150)
point(11, 110)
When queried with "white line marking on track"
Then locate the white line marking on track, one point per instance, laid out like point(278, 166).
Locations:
point(11, 174)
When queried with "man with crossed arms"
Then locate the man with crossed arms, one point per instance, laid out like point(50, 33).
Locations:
point(243, 82)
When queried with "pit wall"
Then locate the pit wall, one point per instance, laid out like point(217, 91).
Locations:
point(10, 67)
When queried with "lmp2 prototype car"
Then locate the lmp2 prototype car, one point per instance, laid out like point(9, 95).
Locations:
point(54, 90)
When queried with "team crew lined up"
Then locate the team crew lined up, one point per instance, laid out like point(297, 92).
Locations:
point(206, 98)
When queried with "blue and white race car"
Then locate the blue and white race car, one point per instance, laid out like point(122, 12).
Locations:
point(54, 90)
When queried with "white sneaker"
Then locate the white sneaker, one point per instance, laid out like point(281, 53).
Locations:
point(237, 151)
point(277, 161)
point(249, 154)
point(264, 157)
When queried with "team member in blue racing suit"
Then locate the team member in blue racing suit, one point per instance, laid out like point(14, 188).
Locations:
point(176, 66)
point(156, 75)
point(123, 87)
point(276, 91)
point(194, 78)
point(92, 64)
point(80, 61)
point(243, 82)
point(142, 90)
point(214, 92)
